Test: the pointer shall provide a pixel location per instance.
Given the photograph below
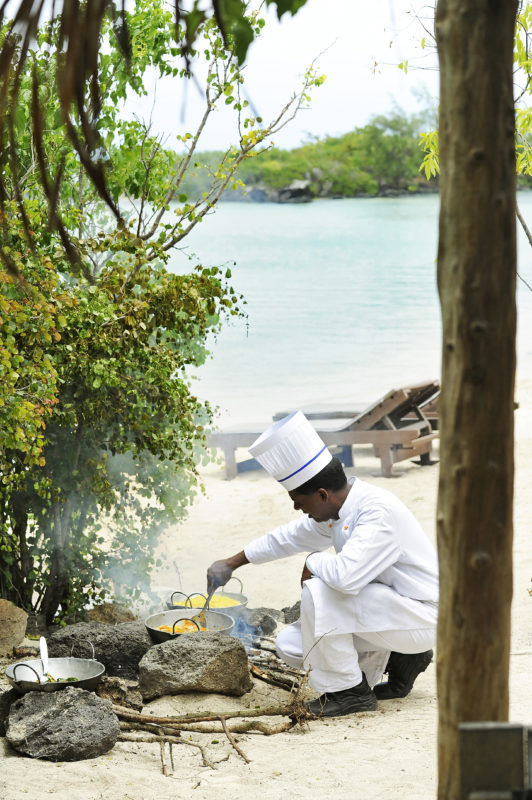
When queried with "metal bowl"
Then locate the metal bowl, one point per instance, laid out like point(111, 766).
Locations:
point(28, 676)
point(216, 623)
point(181, 600)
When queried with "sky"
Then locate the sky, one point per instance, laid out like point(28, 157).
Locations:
point(361, 44)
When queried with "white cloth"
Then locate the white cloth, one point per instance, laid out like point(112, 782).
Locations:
point(382, 579)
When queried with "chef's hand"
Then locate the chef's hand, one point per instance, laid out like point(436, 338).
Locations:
point(218, 574)
point(306, 574)
point(220, 571)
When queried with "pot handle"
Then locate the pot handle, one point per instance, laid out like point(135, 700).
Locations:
point(28, 666)
point(181, 619)
point(82, 640)
point(234, 578)
point(195, 594)
point(178, 592)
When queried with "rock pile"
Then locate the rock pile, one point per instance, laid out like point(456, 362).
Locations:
point(70, 725)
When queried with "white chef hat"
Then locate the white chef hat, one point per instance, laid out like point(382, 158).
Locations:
point(291, 451)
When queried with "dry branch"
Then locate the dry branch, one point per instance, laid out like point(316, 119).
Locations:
point(246, 726)
point(275, 711)
point(233, 743)
point(149, 738)
point(275, 680)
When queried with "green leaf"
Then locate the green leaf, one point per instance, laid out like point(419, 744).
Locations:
point(286, 6)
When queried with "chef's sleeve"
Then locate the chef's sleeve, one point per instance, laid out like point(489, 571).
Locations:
point(372, 548)
point(298, 536)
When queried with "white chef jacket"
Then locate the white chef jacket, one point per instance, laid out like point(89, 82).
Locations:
point(383, 575)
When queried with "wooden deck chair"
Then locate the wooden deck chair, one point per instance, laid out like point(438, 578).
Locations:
point(394, 425)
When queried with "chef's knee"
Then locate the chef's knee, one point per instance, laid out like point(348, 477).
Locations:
point(288, 645)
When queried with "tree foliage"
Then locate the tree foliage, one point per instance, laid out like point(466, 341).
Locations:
point(103, 433)
point(382, 156)
point(429, 140)
point(80, 79)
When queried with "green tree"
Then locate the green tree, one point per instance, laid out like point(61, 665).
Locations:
point(81, 27)
point(380, 156)
point(105, 433)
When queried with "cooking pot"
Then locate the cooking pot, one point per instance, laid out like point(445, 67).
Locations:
point(29, 676)
point(182, 600)
point(216, 623)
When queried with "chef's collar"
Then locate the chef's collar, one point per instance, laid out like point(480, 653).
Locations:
point(345, 507)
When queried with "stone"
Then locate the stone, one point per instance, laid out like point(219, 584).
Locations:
point(262, 620)
point(6, 701)
point(110, 613)
point(120, 691)
point(13, 621)
point(292, 613)
point(206, 662)
point(299, 191)
point(37, 625)
point(68, 725)
point(118, 647)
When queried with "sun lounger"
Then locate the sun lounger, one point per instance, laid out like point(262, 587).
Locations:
point(395, 425)
point(405, 405)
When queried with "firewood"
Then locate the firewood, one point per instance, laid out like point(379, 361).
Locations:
point(275, 711)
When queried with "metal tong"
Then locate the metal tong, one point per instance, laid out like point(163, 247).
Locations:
point(199, 618)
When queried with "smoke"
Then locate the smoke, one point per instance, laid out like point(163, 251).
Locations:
point(246, 633)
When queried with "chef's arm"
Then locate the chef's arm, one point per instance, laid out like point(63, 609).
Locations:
point(372, 549)
point(220, 571)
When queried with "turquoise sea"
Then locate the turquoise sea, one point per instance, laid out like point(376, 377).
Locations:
point(342, 302)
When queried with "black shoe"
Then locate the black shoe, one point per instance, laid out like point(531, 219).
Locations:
point(402, 671)
point(346, 701)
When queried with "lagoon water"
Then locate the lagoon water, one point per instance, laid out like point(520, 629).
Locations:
point(342, 302)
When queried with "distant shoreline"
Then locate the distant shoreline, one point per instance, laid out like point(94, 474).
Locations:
point(261, 194)
point(300, 192)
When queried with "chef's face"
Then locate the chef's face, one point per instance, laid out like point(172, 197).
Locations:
point(317, 505)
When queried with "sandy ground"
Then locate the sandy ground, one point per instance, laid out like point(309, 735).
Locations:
point(390, 753)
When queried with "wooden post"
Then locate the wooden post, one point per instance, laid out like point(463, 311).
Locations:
point(476, 280)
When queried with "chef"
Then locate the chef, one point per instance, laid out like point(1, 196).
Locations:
point(367, 608)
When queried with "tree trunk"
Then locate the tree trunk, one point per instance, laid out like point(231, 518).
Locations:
point(58, 576)
point(476, 280)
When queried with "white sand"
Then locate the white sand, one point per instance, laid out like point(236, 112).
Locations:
point(390, 753)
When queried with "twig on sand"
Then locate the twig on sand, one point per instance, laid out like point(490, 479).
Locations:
point(163, 762)
point(231, 739)
point(171, 756)
point(131, 737)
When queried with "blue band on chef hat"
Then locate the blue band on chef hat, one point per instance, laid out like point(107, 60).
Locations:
point(280, 480)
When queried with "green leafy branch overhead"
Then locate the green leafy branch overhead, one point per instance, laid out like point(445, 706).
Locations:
point(80, 74)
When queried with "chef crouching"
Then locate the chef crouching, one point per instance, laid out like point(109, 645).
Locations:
point(368, 608)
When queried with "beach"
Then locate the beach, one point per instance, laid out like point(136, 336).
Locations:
point(390, 753)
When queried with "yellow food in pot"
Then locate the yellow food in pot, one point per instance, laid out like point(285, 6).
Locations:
point(217, 601)
point(186, 626)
